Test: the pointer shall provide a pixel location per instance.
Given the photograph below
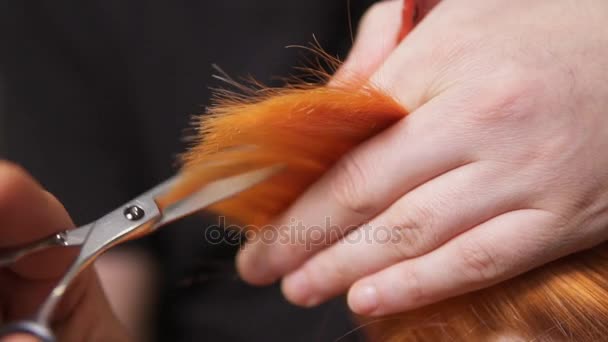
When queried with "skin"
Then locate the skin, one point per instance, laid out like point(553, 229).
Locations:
point(28, 213)
point(500, 167)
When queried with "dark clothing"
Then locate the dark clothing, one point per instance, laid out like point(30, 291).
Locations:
point(95, 97)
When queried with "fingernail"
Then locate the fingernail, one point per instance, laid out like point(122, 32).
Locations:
point(298, 289)
point(364, 300)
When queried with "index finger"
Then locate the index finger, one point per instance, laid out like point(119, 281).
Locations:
point(28, 213)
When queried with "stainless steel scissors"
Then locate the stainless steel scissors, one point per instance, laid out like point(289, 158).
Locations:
point(137, 217)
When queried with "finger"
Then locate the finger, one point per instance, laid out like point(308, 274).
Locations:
point(94, 319)
point(22, 297)
point(27, 213)
point(414, 225)
point(419, 69)
point(496, 250)
point(368, 180)
point(19, 338)
point(376, 39)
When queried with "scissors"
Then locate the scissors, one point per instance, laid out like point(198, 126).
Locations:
point(136, 218)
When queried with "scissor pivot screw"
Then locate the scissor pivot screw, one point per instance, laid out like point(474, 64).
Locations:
point(61, 239)
point(134, 213)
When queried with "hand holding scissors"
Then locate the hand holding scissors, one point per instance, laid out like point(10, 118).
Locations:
point(136, 218)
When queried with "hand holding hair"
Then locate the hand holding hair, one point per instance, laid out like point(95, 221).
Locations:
point(500, 167)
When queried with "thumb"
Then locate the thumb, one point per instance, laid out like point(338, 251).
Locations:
point(381, 30)
point(416, 70)
point(19, 338)
point(376, 39)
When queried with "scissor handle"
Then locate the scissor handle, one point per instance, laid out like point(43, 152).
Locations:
point(31, 328)
point(11, 256)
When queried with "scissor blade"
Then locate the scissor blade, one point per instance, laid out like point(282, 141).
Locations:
point(76, 237)
point(215, 192)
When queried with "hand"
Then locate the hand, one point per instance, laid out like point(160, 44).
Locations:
point(27, 213)
point(501, 167)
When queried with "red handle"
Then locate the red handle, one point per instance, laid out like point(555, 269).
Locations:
point(409, 17)
point(412, 13)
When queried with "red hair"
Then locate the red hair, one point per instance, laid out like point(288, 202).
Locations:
point(306, 128)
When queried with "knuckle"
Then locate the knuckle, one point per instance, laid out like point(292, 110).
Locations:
point(423, 215)
point(515, 109)
point(348, 186)
point(514, 101)
point(326, 275)
point(411, 281)
point(561, 233)
point(414, 232)
point(408, 237)
point(478, 264)
point(282, 259)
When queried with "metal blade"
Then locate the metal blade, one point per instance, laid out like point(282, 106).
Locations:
point(215, 192)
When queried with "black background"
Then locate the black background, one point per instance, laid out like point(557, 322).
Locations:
point(95, 97)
